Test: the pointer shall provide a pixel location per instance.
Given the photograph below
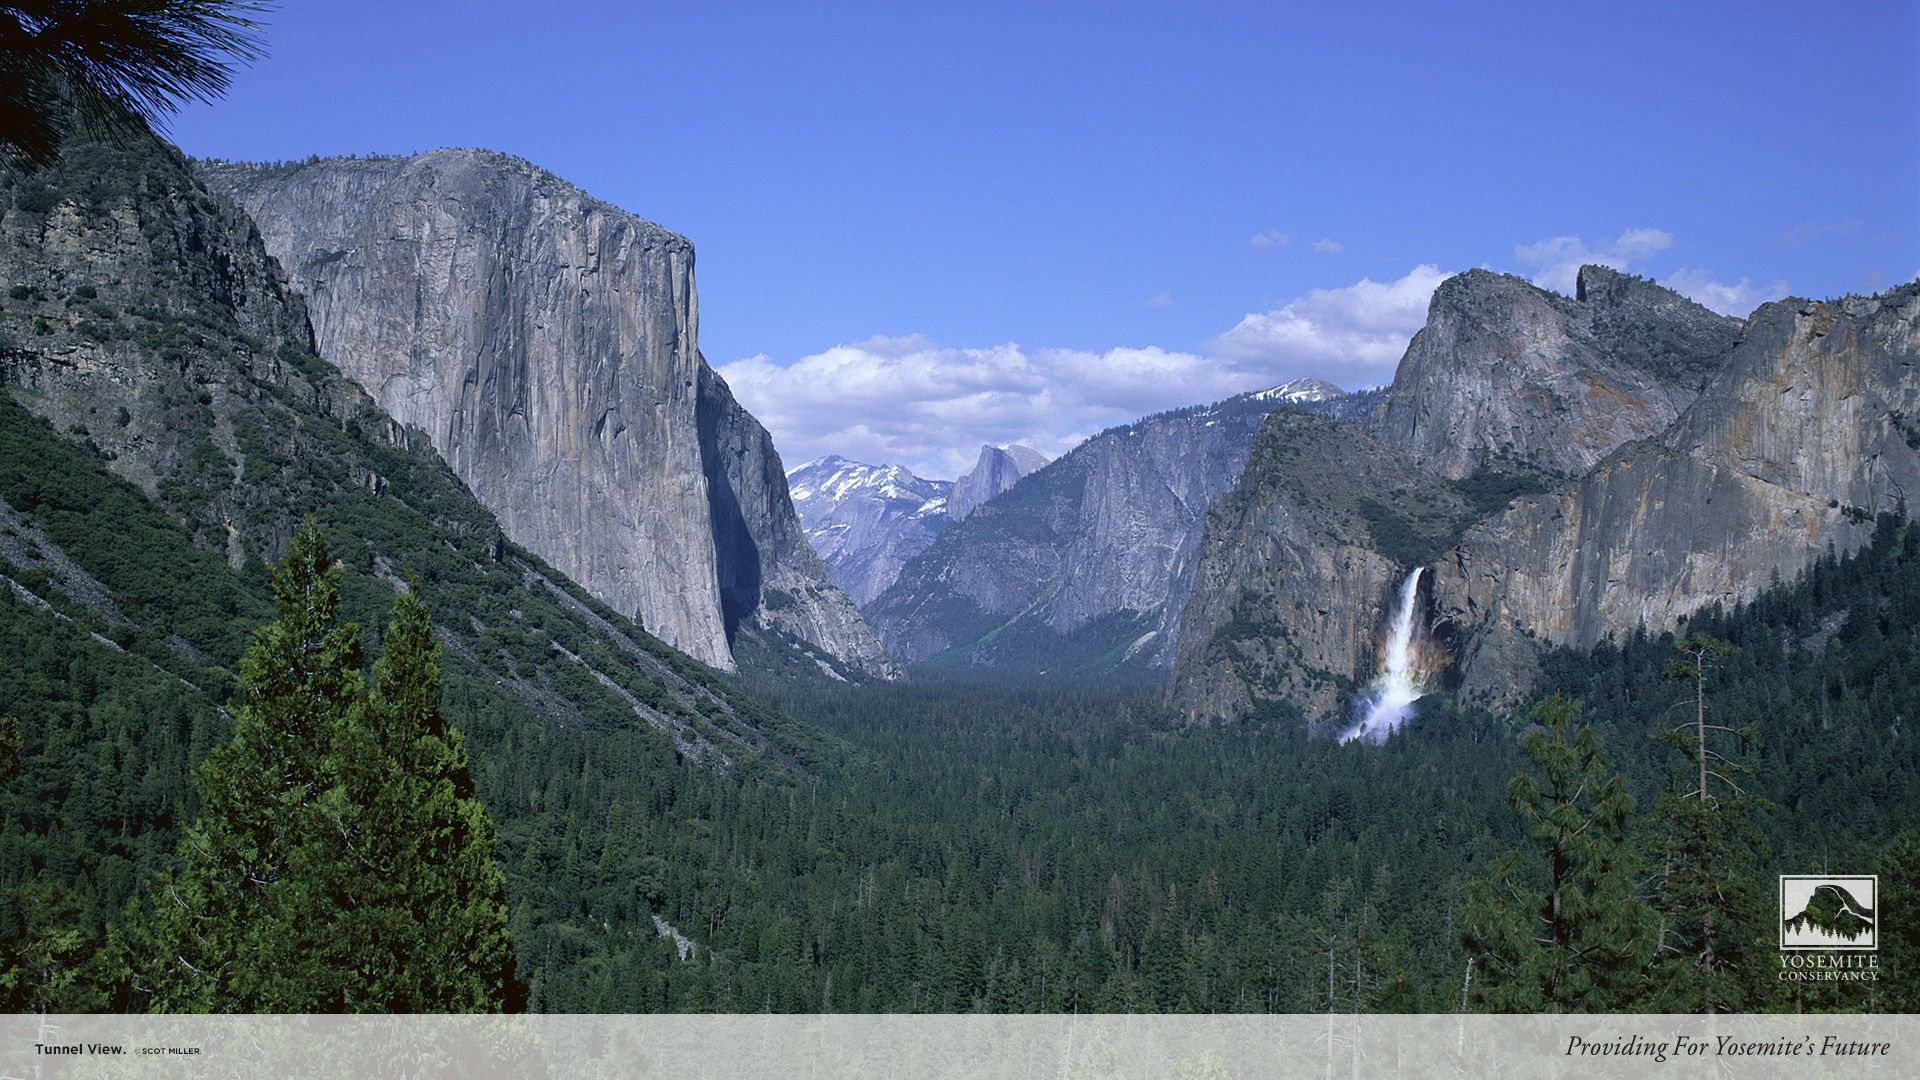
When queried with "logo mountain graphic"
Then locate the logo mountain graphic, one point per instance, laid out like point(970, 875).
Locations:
point(1833, 912)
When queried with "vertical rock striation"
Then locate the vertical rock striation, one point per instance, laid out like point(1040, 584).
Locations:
point(1291, 590)
point(770, 576)
point(548, 344)
point(1804, 425)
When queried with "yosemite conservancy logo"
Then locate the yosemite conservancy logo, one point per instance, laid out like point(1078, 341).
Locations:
point(1829, 913)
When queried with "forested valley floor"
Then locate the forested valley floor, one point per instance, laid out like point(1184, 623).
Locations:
point(956, 846)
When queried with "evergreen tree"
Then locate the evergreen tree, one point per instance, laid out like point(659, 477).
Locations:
point(340, 861)
point(1561, 930)
point(1704, 849)
point(428, 929)
point(1900, 937)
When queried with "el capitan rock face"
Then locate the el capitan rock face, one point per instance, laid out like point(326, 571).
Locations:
point(547, 342)
point(193, 378)
point(1507, 372)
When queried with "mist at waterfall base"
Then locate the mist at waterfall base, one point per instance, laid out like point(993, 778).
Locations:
point(1402, 679)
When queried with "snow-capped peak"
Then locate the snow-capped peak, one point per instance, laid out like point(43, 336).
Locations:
point(1300, 392)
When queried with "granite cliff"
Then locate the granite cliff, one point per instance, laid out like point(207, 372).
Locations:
point(1804, 435)
point(772, 582)
point(997, 469)
point(152, 351)
point(165, 426)
point(1297, 565)
point(1510, 375)
point(547, 343)
point(1571, 469)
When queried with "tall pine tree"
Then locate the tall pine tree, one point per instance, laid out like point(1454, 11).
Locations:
point(1703, 849)
point(340, 861)
point(1559, 929)
point(428, 928)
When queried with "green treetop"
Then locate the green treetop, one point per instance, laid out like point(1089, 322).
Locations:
point(1559, 929)
point(340, 861)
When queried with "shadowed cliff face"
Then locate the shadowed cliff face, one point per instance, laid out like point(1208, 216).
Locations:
point(1506, 371)
point(1292, 586)
point(769, 575)
point(1801, 438)
point(547, 342)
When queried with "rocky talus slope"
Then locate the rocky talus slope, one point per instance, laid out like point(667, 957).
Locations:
point(547, 343)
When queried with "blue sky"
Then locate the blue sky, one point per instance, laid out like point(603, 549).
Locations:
point(925, 227)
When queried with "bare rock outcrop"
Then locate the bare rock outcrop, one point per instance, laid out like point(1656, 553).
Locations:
point(547, 342)
point(1807, 432)
point(1507, 373)
point(1290, 593)
point(997, 469)
point(866, 521)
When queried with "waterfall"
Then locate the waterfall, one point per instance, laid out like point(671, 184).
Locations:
point(1402, 682)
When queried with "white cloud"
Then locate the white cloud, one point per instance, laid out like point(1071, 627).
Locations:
point(1739, 298)
point(929, 406)
point(1159, 300)
point(1327, 246)
point(1272, 238)
point(1352, 335)
point(1555, 262)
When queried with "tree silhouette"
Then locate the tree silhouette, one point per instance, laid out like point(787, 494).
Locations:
point(112, 65)
point(1703, 847)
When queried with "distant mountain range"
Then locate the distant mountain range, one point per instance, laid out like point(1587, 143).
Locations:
point(866, 521)
point(1082, 566)
point(1571, 468)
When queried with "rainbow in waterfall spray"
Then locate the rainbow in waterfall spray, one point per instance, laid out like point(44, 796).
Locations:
point(1405, 665)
